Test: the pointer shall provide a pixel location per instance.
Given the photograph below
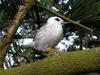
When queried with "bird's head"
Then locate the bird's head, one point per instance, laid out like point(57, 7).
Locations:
point(55, 20)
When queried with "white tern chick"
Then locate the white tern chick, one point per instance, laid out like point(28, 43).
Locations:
point(48, 35)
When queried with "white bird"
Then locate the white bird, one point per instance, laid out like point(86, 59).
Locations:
point(49, 35)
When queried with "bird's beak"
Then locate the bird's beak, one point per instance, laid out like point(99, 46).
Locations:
point(64, 23)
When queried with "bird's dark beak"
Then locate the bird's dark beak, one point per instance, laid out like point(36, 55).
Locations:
point(65, 26)
point(64, 23)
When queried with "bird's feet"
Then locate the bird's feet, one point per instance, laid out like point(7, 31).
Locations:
point(52, 52)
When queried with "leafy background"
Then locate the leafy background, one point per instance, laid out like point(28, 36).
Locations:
point(87, 12)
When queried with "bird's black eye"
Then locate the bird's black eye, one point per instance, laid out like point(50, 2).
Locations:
point(57, 19)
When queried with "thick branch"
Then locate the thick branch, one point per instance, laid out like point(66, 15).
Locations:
point(66, 19)
point(16, 22)
point(71, 63)
point(13, 28)
point(4, 43)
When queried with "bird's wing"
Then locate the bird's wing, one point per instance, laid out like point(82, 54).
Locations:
point(45, 31)
point(46, 36)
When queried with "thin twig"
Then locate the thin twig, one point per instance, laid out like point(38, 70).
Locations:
point(65, 18)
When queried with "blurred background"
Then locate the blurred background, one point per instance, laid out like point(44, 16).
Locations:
point(87, 12)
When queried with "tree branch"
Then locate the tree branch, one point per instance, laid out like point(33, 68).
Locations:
point(70, 63)
point(14, 25)
point(65, 18)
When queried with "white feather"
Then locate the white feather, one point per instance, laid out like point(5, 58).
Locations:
point(48, 35)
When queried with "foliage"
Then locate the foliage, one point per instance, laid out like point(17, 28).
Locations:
point(86, 12)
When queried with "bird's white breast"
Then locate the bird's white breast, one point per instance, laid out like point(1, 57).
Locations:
point(48, 36)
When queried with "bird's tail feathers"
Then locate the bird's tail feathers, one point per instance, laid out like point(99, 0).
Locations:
point(31, 44)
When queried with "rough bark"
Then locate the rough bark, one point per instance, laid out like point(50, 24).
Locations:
point(14, 26)
point(70, 63)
